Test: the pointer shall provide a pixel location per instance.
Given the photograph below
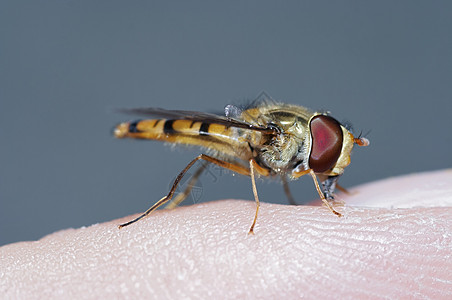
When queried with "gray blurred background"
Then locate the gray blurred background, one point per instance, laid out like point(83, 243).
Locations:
point(385, 66)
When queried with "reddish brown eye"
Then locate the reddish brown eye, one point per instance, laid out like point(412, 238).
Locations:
point(326, 143)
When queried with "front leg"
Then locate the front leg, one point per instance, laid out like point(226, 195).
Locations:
point(329, 186)
point(324, 196)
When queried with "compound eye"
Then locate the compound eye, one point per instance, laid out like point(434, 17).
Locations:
point(326, 143)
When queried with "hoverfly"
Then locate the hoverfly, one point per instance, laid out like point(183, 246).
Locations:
point(268, 139)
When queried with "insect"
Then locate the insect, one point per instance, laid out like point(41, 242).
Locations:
point(268, 138)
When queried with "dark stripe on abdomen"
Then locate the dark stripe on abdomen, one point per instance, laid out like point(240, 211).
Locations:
point(156, 123)
point(204, 129)
point(133, 127)
point(168, 127)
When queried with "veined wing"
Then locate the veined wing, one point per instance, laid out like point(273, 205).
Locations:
point(196, 117)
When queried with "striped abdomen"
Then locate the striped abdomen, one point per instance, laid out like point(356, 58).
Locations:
point(209, 135)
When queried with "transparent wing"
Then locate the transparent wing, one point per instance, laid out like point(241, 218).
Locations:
point(195, 116)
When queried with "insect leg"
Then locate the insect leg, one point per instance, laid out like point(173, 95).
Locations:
point(262, 171)
point(316, 183)
point(256, 197)
point(233, 167)
point(181, 196)
point(287, 191)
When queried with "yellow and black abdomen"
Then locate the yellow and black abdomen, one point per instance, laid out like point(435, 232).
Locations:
point(209, 135)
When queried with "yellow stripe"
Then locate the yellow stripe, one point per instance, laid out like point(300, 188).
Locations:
point(183, 126)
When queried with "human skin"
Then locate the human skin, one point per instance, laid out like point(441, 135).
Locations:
point(394, 241)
